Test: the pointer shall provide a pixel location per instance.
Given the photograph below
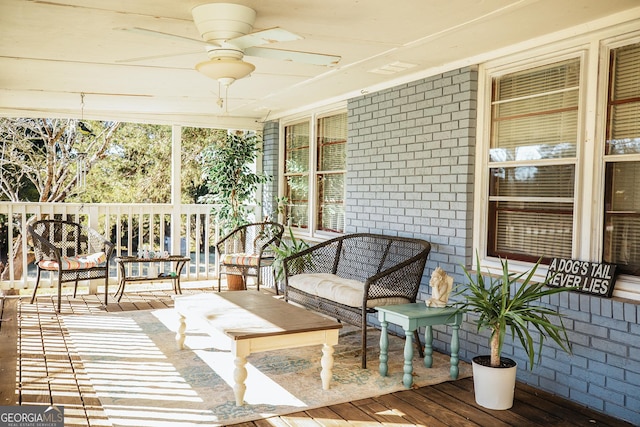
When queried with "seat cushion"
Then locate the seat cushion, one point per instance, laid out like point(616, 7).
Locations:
point(240, 259)
point(75, 263)
point(344, 291)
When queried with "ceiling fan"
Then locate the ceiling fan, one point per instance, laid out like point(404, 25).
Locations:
point(226, 31)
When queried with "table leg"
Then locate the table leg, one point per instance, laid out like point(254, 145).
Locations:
point(407, 378)
point(327, 365)
point(240, 352)
point(384, 348)
point(455, 346)
point(176, 284)
point(122, 279)
point(182, 326)
point(120, 290)
point(428, 346)
point(106, 292)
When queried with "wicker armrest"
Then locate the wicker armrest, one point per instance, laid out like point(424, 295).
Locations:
point(402, 280)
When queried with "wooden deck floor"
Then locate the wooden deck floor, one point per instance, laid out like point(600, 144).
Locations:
point(447, 404)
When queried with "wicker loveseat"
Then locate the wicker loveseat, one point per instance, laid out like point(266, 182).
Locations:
point(72, 251)
point(346, 277)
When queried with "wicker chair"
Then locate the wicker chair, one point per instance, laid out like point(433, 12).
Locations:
point(381, 270)
point(72, 251)
point(246, 250)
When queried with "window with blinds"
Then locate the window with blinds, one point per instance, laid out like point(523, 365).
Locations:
point(622, 161)
point(534, 134)
point(296, 148)
point(331, 170)
point(314, 170)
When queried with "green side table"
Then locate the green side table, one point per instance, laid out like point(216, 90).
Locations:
point(410, 317)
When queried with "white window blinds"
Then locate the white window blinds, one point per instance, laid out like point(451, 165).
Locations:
point(296, 141)
point(331, 169)
point(622, 176)
point(534, 135)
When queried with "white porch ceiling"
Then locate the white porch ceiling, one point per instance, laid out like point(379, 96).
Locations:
point(53, 51)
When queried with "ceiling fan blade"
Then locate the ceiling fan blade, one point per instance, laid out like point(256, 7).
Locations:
point(174, 37)
point(270, 35)
point(295, 56)
point(166, 55)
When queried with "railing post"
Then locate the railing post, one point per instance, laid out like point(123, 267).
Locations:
point(176, 189)
point(93, 221)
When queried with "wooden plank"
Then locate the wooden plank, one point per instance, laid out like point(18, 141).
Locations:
point(352, 413)
point(326, 417)
point(299, 419)
point(270, 422)
point(438, 415)
point(385, 414)
point(454, 404)
point(463, 391)
point(566, 410)
point(405, 402)
point(8, 350)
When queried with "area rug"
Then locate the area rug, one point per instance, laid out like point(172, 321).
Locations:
point(142, 379)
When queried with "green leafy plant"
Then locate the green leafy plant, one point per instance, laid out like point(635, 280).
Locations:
point(511, 301)
point(286, 248)
point(230, 179)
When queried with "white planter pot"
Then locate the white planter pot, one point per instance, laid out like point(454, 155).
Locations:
point(494, 387)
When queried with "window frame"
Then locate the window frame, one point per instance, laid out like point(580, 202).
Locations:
point(627, 286)
point(590, 161)
point(312, 117)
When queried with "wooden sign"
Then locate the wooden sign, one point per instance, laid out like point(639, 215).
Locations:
point(588, 277)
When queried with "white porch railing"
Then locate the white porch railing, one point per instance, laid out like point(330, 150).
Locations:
point(188, 230)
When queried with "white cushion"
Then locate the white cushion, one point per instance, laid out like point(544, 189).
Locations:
point(344, 291)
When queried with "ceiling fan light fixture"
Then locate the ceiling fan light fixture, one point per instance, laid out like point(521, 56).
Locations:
point(225, 70)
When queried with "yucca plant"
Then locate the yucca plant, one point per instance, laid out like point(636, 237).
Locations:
point(511, 301)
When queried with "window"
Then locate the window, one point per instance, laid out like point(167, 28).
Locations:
point(296, 172)
point(331, 168)
point(314, 173)
point(560, 143)
point(532, 156)
point(622, 161)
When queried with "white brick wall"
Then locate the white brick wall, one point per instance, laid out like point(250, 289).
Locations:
point(410, 165)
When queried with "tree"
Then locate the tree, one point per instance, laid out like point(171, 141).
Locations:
point(139, 157)
point(44, 159)
point(44, 154)
point(230, 179)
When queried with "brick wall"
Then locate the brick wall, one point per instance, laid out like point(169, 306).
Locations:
point(410, 165)
point(270, 134)
point(410, 173)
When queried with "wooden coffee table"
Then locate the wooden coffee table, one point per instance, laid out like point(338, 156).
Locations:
point(258, 322)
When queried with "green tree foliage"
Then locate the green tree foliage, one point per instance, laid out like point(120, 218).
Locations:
point(138, 166)
point(194, 141)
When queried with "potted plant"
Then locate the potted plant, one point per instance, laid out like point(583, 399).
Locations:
point(508, 302)
point(232, 183)
point(285, 248)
